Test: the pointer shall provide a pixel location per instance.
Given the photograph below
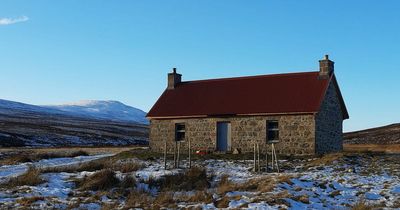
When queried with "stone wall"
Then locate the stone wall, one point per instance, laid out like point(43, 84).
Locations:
point(296, 133)
point(329, 123)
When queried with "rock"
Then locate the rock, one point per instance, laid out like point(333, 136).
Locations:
point(236, 151)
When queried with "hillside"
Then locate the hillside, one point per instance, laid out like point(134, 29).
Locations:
point(108, 110)
point(389, 134)
point(29, 125)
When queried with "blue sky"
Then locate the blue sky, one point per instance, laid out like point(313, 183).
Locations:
point(59, 51)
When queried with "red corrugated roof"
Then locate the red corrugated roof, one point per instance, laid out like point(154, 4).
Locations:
point(266, 94)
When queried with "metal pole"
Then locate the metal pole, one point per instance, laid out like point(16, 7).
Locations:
point(165, 155)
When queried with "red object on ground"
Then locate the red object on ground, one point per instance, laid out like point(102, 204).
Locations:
point(201, 152)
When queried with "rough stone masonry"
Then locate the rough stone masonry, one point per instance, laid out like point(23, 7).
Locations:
point(308, 133)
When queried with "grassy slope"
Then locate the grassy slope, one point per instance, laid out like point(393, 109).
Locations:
point(20, 129)
point(381, 139)
point(381, 135)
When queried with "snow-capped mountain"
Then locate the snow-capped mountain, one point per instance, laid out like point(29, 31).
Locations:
point(105, 110)
point(86, 123)
point(11, 107)
point(108, 110)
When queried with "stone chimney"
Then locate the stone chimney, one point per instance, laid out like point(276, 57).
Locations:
point(326, 67)
point(173, 79)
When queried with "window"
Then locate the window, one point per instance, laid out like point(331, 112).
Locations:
point(272, 131)
point(180, 132)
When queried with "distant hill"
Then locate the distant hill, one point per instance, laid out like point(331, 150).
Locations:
point(389, 134)
point(89, 123)
point(109, 110)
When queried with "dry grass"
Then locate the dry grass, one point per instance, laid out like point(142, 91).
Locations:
point(165, 199)
point(265, 184)
point(142, 154)
point(262, 184)
point(225, 185)
point(60, 154)
point(127, 166)
point(15, 159)
point(21, 155)
point(90, 150)
point(273, 198)
point(31, 177)
point(74, 204)
point(196, 179)
point(24, 157)
point(325, 160)
point(196, 198)
point(283, 178)
point(302, 198)
point(138, 199)
point(95, 165)
point(109, 206)
point(258, 184)
point(128, 182)
point(27, 201)
point(223, 202)
point(99, 164)
point(193, 179)
point(361, 205)
point(102, 180)
point(201, 197)
point(372, 148)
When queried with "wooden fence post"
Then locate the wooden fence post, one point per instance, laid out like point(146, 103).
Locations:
point(179, 147)
point(258, 157)
point(175, 154)
point(266, 158)
point(272, 156)
point(190, 151)
point(165, 155)
point(254, 168)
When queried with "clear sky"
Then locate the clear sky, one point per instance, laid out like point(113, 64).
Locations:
point(59, 51)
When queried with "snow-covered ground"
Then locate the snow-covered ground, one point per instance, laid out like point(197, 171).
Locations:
point(338, 185)
point(57, 185)
point(8, 171)
point(335, 185)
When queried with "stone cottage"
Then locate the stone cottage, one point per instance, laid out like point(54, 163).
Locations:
point(301, 113)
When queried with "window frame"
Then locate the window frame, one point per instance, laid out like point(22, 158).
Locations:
point(273, 129)
point(179, 132)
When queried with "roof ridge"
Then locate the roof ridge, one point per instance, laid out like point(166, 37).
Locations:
point(249, 77)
